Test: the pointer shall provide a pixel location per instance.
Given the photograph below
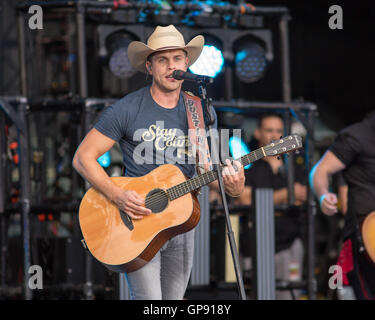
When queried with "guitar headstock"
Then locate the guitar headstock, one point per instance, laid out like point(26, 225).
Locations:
point(283, 145)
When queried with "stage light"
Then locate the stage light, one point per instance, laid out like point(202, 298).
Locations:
point(250, 62)
point(117, 54)
point(105, 160)
point(238, 148)
point(210, 63)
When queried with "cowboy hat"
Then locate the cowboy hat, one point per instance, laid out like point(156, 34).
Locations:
point(163, 38)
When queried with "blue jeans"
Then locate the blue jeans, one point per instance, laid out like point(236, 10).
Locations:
point(166, 276)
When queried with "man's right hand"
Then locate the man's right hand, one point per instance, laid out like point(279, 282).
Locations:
point(328, 203)
point(132, 203)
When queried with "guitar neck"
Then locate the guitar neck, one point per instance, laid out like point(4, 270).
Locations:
point(209, 176)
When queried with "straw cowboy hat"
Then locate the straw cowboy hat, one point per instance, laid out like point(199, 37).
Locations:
point(163, 38)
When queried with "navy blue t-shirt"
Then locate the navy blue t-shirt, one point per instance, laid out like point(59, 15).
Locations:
point(148, 134)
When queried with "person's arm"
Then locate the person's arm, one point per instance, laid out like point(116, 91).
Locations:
point(328, 165)
point(280, 196)
point(85, 162)
point(343, 198)
point(245, 197)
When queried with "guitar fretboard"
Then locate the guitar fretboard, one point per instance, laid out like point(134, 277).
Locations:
point(208, 177)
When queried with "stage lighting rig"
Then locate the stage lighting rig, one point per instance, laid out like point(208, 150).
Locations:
point(113, 51)
point(164, 14)
point(199, 13)
point(250, 62)
point(210, 62)
point(252, 57)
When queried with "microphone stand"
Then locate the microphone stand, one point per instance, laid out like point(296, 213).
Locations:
point(209, 119)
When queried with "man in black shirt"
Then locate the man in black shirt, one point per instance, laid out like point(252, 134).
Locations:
point(353, 153)
point(270, 173)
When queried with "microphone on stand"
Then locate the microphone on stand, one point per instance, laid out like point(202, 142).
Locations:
point(182, 75)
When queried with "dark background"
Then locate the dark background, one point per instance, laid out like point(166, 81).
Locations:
point(333, 68)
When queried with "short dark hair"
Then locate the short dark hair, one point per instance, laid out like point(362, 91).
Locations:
point(268, 115)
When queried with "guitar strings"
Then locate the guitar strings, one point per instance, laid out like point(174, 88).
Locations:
point(184, 187)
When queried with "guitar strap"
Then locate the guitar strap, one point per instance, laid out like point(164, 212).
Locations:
point(197, 132)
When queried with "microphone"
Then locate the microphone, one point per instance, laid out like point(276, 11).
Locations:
point(182, 75)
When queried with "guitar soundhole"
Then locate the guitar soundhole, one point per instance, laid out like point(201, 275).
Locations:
point(156, 200)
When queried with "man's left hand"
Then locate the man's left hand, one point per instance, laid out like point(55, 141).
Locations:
point(234, 180)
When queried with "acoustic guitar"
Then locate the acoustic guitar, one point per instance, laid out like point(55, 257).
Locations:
point(368, 235)
point(125, 245)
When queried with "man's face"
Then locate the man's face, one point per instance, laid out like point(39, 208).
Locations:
point(162, 65)
point(272, 128)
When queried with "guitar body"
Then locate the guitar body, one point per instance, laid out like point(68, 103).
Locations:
point(125, 245)
point(124, 249)
point(368, 235)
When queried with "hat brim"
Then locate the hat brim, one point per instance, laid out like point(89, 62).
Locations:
point(138, 52)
